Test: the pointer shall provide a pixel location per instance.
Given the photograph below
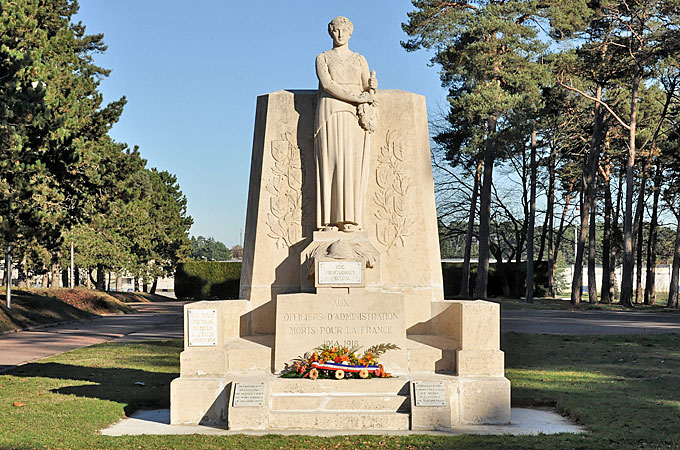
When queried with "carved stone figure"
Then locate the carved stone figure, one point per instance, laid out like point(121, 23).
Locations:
point(346, 114)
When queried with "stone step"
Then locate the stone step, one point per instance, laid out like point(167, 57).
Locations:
point(340, 402)
point(338, 420)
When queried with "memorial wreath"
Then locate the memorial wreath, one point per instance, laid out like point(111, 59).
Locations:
point(340, 362)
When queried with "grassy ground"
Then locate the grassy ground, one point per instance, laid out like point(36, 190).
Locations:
point(31, 307)
point(625, 390)
point(565, 304)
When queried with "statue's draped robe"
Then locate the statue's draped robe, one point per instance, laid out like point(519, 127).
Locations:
point(341, 147)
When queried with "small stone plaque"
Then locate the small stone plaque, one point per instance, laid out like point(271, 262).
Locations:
point(202, 327)
point(344, 273)
point(248, 394)
point(429, 393)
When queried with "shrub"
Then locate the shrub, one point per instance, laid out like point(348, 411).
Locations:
point(512, 275)
point(207, 279)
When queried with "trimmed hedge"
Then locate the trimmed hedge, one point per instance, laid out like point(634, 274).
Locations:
point(513, 275)
point(208, 279)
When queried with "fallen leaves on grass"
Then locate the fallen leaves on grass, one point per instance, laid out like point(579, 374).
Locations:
point(18, 404)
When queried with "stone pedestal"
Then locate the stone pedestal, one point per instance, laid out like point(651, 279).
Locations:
point(302, 288)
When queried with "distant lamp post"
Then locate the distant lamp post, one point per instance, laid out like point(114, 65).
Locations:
point(71, 279)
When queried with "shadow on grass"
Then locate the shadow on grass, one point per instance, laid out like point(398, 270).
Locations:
point(137, 389)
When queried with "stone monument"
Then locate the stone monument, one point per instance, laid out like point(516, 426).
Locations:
point(341, 248)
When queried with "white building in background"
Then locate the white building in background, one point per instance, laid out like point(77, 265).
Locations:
point(662, 279)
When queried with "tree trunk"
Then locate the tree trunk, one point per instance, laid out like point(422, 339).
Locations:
point(650, 284)
point(606, 235)
point(616, 236)
point(529, 293)
point(675, 271)
point(22, 276)
point(90, 279)
point(561, 229)
point(549, 224)
point(119, 283)
point(76, 276)
point(542, 241)
point(64, 278)
point(485, 214)
point(638, 232)
point(577, 280)
point(45, 282)
point(56, 275)
point(627, 276)
point(154, 285)
point(145, 286)
point(591, 193)
point(589, 205)
point(464, 290)
point(592, 262)
point(100, 281)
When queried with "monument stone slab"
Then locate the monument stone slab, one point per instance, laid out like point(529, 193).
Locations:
point(306, 321)
point(341, 249)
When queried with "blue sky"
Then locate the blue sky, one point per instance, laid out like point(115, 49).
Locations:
point(191, 72)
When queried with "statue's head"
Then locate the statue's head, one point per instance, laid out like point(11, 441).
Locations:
point(340, 29)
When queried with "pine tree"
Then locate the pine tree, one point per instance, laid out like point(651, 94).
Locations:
point(489, 54)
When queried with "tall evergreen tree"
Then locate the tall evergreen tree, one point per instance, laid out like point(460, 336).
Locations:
point(489, 53)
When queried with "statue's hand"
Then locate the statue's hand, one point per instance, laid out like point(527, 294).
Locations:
point(373, 81)
point(366, 97)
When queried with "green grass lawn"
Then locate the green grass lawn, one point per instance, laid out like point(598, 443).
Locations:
point(625, 390)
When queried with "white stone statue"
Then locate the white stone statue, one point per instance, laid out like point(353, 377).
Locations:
point(346, 114)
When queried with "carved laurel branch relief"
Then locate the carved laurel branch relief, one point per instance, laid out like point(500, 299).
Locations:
point(394, 221)
point(285, 187)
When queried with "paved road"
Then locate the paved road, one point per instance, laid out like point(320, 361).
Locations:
point(588, 322)
point(161, 320)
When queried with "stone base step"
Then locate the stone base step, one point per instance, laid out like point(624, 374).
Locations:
point(338, 420)
point(372, 395)
point(340, 402)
